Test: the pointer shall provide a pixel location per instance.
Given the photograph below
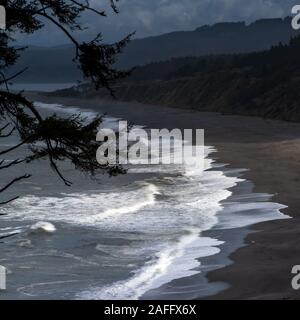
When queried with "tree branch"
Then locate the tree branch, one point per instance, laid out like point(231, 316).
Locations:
point(6, 202)
point(12, 163)
point(25, 176)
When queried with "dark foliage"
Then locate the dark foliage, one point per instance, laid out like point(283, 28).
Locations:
point(53, 138)
point(262, 84)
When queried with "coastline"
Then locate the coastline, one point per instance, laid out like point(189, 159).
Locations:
point(270, 150)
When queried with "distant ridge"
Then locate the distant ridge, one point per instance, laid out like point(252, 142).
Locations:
point(54, 65)
point(220, 38)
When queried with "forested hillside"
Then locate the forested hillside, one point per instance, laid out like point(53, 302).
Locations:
point(262, 84)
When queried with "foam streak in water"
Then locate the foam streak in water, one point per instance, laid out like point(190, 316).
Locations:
point(176, 260)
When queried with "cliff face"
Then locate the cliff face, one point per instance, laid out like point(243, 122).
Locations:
point(227, 94)
point(235, 96)
point(260, 84)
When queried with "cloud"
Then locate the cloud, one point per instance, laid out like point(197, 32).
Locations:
point(152, 17)
point(159, 16)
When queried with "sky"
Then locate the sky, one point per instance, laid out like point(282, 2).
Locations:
point(154, 17)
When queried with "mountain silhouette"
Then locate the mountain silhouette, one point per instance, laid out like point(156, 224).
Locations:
point(54, 65)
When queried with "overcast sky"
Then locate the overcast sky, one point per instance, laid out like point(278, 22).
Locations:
point(153, 17)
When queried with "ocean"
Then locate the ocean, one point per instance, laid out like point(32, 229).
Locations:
point(138, 236)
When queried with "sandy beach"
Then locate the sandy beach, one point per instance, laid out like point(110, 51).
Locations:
point(270, 150)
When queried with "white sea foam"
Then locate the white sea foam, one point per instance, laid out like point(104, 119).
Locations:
point(175, 261)
point(94, 209)
point(90, 114)
point(87, 114)
point(170, 213)
point(43, 226)
point(167, 215)
point(193, 203)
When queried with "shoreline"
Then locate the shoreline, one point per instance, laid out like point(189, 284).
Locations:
point(270, 150)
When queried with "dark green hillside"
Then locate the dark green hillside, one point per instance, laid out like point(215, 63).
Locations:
point(262, 84)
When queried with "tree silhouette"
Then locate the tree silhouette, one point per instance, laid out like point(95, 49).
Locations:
point(53, 138)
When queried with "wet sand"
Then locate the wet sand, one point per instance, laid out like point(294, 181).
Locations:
point(271, 152)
